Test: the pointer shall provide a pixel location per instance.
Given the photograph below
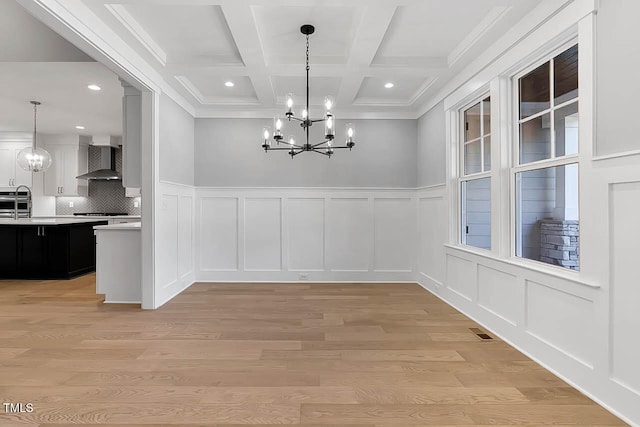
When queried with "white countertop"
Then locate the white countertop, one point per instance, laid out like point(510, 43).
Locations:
point(48, 221)
point(100, 218)
point(135, 226)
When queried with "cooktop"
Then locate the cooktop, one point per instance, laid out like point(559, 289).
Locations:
point(101, 214)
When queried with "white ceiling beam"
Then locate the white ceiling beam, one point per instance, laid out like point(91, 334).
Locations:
point(374, 21)
point(242, 25)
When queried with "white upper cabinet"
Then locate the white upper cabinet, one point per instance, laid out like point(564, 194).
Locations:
point(131, 137)
point(7, 166)
point(70, 159)
point(12, 175)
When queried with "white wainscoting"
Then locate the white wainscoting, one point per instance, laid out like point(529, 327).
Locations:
point(263, 234)
point(562, 320)
point(394, 237)
point(496, 294)
point(174, 241)
point(305, 228)
point(582, 326)
point(286, 234)
point(624, 320)
point(349, 234)
point(218, 233)
point(432, 225)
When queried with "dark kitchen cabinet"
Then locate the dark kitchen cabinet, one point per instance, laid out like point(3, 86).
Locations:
point(82, 249)
point(47, 251)
point(8, 251)
point(32, 259)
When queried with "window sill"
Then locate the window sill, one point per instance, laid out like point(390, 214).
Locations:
point(552, 271)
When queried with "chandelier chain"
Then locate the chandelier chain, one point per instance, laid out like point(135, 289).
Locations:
point(35, 115)
point(307, 52)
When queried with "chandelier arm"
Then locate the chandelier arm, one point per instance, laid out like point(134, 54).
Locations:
point(284, 148)
point(296, 118)
point(320, 143)
point(317, 120)
point(340, 146)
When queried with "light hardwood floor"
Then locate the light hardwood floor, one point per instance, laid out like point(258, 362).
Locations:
point(362, 355)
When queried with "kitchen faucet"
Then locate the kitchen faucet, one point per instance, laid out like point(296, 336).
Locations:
point(15, 202)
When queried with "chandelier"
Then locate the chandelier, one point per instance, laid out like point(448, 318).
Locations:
point(325, 147)
point(34, 159)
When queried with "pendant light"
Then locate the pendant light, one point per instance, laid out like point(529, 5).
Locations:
point(34, 159)
point(326, 146)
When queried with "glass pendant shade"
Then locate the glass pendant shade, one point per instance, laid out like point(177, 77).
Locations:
point(329, 126)
point(34, 159)
point(277, 128)
point(265, 135)
point(350, 132)
point(289, 104)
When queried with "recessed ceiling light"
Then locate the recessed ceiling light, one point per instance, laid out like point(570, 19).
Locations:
point(80, 127)
point(388, 85)
point(229, 84)
point(94, 87)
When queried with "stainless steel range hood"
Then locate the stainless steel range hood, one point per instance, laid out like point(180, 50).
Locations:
point(107, 171)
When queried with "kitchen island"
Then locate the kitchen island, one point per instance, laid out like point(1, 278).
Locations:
point(47, 248)
point(119, 262)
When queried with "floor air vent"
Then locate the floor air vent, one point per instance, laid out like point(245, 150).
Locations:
point(481, 334)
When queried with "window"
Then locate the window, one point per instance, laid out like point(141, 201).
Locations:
point(547, 170)
point(475, 181)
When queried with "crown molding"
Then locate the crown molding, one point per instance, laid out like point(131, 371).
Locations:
point(133, 26)
point(489, 21)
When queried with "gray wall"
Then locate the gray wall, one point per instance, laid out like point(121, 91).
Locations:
point(176, 143)
point(228, 154)
point(617, 64)
point(431, 153)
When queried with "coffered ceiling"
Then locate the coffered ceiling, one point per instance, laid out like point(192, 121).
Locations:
point(358, 47)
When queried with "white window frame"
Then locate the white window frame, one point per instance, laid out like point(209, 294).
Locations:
point(552, 161)
point(577, 23)
point(462, 176)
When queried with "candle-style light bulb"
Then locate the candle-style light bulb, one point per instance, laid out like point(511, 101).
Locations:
point(328, 103)
point(304, 114)
point(289, 104)
point(292, 141)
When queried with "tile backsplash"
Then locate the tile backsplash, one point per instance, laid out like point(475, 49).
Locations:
point(104, 196)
